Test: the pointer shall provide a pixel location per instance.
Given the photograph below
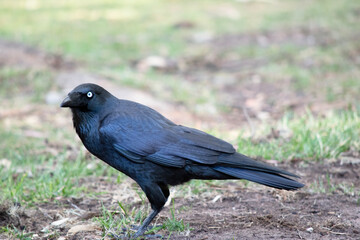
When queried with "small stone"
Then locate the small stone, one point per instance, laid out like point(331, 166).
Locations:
point(59, 222)
point(83, 228)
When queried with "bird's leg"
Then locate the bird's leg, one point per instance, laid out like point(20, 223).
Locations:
point(157, 193)
point(146, 223)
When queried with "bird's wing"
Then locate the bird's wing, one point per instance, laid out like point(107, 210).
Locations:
point(151, 137)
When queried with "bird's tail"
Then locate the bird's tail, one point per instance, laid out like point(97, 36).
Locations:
point(240, 166)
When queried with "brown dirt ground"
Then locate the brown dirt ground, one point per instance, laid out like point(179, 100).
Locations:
point(328, 212)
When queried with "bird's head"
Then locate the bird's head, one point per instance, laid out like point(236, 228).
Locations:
point(86, 97)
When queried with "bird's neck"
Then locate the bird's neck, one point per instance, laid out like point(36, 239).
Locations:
point(86, 125)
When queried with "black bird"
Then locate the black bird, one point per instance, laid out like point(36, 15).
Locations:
point(156, 152)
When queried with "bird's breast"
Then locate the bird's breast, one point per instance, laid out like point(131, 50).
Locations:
point(87, 130)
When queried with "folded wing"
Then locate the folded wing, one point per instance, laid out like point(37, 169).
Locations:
point(156, 139)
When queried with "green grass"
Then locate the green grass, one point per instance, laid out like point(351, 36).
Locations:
point(110, 35)
point(27, 84)
point(27, 184)
point(16, 233)
point(123, 218)
point(135, 28)
point(311, 138)
point(325, 185)
point(114, 221)
point(172, 224)
point(36, 175)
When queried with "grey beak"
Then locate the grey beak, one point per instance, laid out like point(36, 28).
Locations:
point(66, 102)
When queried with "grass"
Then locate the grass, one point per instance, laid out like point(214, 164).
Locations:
point(16, 233)
point(115, 221)
point(109, 36)
point(35, 175)
point(28, 84)
point(325, 185)
point(138, 26)
point(29, 184)
point(124, 218)
point(308, 138)
point(172, 224)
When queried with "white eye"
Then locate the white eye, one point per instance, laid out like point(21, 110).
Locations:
point(89, 94)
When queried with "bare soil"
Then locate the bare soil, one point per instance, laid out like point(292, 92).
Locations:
point(327, 208)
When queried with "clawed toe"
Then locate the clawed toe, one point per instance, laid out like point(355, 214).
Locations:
point(124, 234)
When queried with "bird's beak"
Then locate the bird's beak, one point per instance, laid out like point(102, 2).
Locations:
point(66, 102)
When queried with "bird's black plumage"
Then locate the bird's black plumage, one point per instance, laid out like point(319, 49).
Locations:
point(156, 152)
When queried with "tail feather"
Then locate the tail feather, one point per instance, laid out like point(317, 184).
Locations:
point(269, 179)
point(243, 167)
point(239, 160)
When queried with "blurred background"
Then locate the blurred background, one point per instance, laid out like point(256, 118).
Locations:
point(279, 79)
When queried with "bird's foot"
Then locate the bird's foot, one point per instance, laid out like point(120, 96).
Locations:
point(151, 229)
point(125, 235)
point(121, 236)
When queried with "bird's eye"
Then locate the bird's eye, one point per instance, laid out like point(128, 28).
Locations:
point(89, 94)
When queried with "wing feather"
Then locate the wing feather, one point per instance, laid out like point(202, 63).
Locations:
point(152, 137)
